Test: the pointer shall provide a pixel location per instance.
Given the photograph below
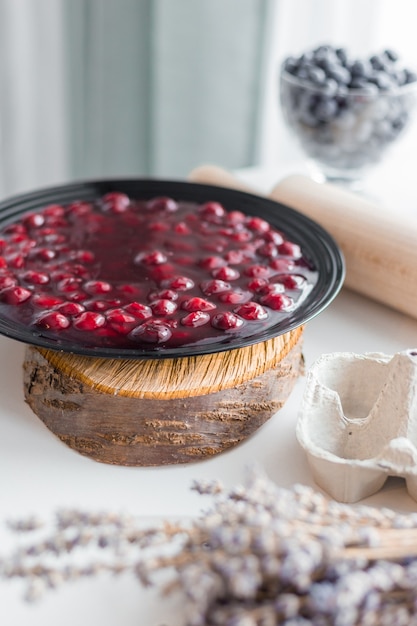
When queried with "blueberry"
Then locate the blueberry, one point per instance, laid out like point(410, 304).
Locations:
point(326, 109)
point(360, 68)
point(377, 62)
point(340, 74)
point(317, 75)
point(342, 56)
point(384, 82)
point(291, 65)
point(358, 83)
point(410, 76)
point(330, 87)
point(391, 55)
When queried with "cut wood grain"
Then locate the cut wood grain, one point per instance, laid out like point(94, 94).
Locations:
point(164, 379)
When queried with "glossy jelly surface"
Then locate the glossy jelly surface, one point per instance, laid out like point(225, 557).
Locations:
point(149, 274)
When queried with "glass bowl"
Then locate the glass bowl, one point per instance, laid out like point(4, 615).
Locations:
point(345, 132)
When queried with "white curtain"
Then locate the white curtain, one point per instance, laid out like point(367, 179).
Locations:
point(33, 95)
point(94, 88)
point(97, 88)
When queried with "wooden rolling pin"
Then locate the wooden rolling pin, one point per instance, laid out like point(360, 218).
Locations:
point(380, 249)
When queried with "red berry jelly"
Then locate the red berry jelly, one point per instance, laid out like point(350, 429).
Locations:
point(150, 274)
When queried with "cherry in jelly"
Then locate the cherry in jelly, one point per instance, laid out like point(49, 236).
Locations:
point(160, 273)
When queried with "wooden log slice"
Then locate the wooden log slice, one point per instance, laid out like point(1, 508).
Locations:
point(132, 421)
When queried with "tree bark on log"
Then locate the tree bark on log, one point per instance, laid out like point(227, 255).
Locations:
point(138, 431)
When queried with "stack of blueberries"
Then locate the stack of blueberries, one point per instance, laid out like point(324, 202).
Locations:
point(345, 111)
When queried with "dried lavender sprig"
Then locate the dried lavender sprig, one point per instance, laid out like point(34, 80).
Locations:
point(261, 555)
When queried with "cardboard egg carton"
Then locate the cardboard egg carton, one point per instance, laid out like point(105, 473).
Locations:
point(358, 422)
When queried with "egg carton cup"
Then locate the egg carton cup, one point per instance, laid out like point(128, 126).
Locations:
point(358, 422)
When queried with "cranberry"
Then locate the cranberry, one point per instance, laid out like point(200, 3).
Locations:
point(121, 320)
point(96, 287)
point(162, 204)
point(258, 271)
point(19, 238)
point(7, 281)
point(195, 318)
point(273, 236)
point(291, 281)
point(150, 258)
point(15, 295)
point(53, 320)
point(241, 236)
point(60, 274)
point(225, 273)
point(159, 226)
point(152, 331)
point(182, 229)
point(54, 210)
point(180, 283)
point(163, 307)
point(89, 320)
point(34, 220)
point(56, 222)
point(76, 296)
point(258, 224)
point(287, 248)
point(272, 288)
point(46, 301)
point(83, 256)
point(116, 202)
point(235, 217)
point(46, 254)
point(213, 212)
point(120, 316)
point(14, 228)
point(3, 262)
point(36, 278)
point(251, 311)
point(235, 297)
point(212, 262)
point(68, 285)
point(256, 284)
point(282, 265)
point(70, 308)
point(210, 287)
point(197, 304)
point(166, 294)
point(80, 208)
point(234, 257)
point(277, 301)
point(97, 305)
point(140, 311)
point(226, 321)
point(268, 249)
point(17, 261)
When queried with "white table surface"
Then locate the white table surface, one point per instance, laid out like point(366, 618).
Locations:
point(40, 474)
